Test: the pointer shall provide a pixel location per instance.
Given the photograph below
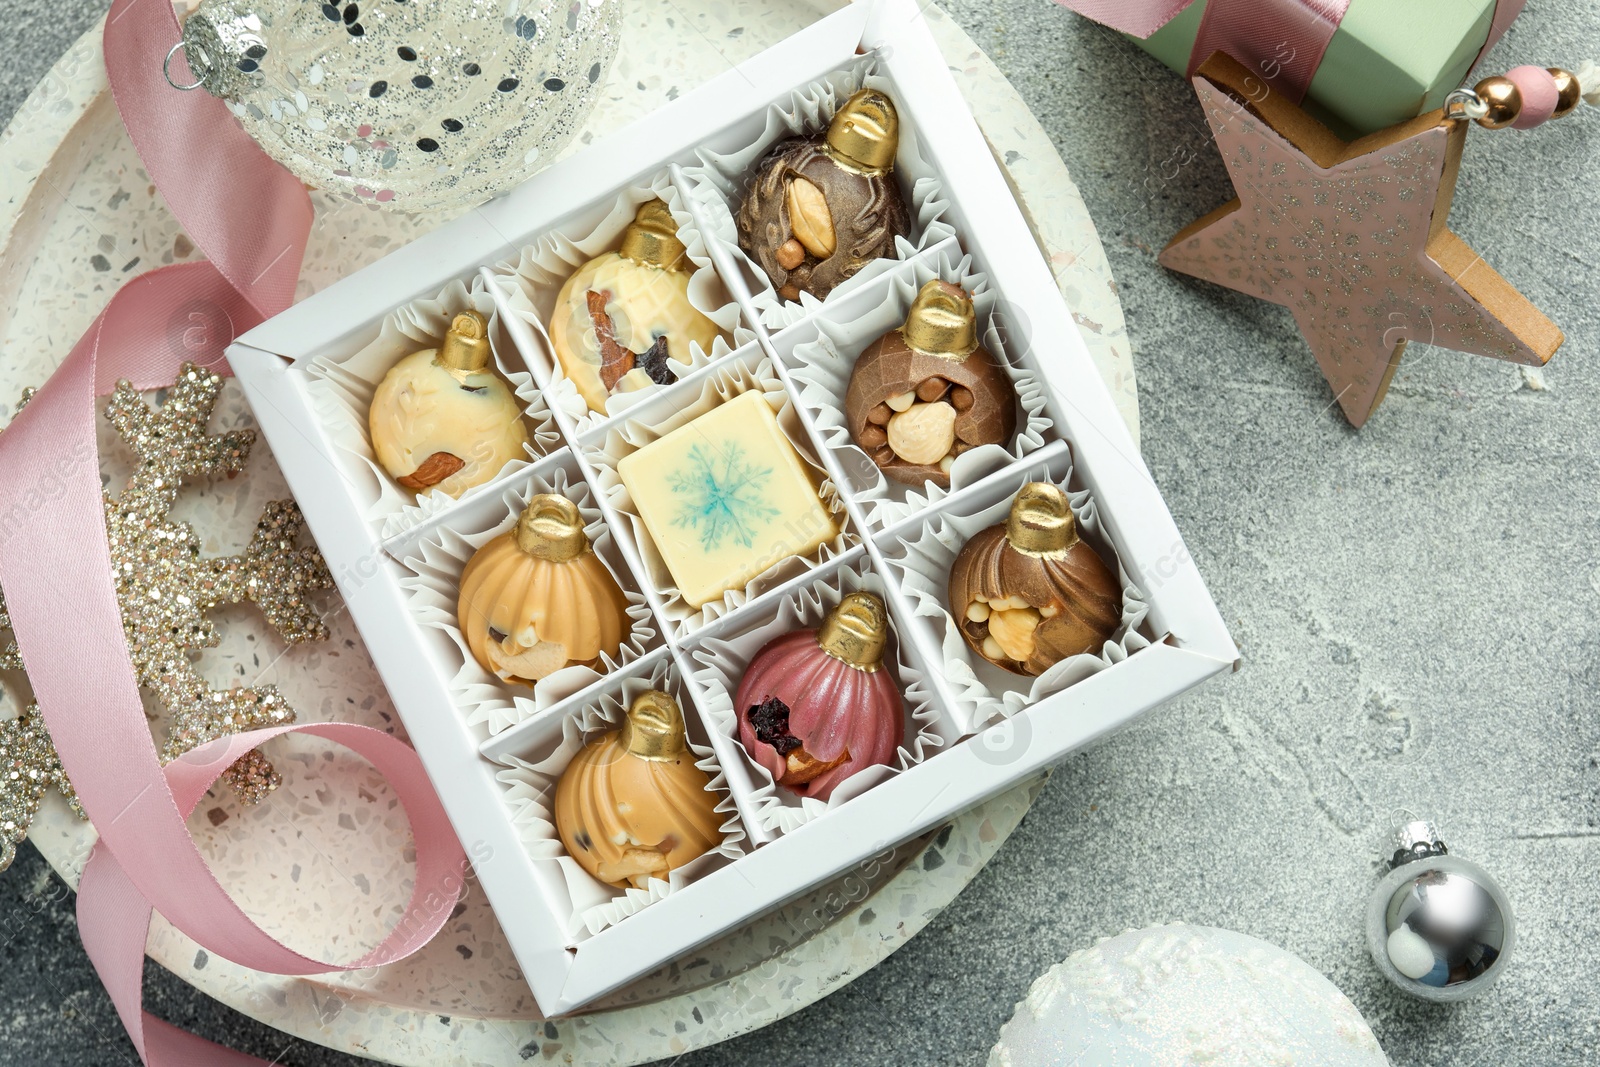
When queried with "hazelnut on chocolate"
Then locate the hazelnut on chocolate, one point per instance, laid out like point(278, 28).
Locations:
point(1029, 593)
point(921, 395)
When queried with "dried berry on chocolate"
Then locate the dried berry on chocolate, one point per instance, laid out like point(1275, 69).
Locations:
point(821, 208)
point(922, 395)
point(815, 706)
point(623, 315)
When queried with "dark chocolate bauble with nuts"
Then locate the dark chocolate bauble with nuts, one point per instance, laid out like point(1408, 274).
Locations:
point(821, 208)
point(1028, 594)
point(923, 394)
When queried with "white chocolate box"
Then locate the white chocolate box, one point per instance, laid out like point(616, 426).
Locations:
point(971, 731)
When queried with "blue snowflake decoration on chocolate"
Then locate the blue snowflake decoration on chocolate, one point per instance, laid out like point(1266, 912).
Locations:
point(722, 496)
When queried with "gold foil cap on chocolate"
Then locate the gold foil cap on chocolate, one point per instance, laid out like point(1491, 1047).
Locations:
point(654, 727)
point(551, 528)
point(856, 631)
point(652, 238)
point(466, 345)
point(864, 133)
point(1041, 522)
point(941, 321)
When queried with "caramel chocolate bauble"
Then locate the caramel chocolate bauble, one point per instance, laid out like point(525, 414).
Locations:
point(821, 208)
point(624, 314)
point(537, 599)
point(921, 395)
point(441, 419)
point(815, 707)
point(632, 806)
point(1029, 594)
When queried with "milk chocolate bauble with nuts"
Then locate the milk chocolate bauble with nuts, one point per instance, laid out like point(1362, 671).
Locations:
point(821, 208)
point(815, 706)
point(921, 395)
point(441, 419)
point(632, 806)
point(1028, 594)
point(537, 599)
point(623, 315)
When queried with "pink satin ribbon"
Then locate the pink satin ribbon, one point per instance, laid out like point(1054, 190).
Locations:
point(1283, 41)
point(252, 218)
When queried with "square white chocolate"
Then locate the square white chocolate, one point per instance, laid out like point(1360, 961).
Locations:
point(725, 497)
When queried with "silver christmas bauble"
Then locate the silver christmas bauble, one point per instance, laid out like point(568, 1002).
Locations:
point(414, 104)
point(1439, 927)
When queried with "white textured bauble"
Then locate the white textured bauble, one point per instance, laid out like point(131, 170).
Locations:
point(414, 104)
point(1185, 996)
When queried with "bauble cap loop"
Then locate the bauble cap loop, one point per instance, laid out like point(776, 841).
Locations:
point(1416, 840)
point(865, 133)
point(1041, 522)
point(654, 728)
point(466, 345)
point(856, 631)
point(941, 321)
point(652, 238)
point(551, 529)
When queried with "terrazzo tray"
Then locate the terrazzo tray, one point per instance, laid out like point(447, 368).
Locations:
point(76, 213)
point(305, 372)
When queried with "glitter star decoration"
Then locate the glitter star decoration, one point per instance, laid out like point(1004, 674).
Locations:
point(1351, 238)
point(165, 587)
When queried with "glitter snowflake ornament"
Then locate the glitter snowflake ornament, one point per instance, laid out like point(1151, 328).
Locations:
point(412, 104)
point(28, 762)
point(165, 587)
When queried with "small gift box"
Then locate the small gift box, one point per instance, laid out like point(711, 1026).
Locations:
point(1384, 62)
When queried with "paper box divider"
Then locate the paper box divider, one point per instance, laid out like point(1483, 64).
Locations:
point(738, 778)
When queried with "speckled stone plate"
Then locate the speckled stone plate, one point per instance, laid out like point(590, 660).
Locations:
point(324, 863)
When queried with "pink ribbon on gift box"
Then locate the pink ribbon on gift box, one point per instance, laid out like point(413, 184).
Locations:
point(252, 218)
point(1281, 40)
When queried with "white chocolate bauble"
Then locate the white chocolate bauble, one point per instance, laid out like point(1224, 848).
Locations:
point(643, 303)
point(1185, 994)
point(421, 408)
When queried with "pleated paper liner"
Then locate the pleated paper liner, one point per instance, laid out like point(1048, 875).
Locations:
point(719, 182)
point(919, 556)
point(585, 904)
point(342, 386)
point(677, 406)
point(822, 352)
point(433, 588)
point(543, 267)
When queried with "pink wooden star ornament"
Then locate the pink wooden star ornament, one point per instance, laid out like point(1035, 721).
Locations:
point(1352, 238)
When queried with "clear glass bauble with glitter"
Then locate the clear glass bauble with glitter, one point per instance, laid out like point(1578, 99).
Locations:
point(413, 104)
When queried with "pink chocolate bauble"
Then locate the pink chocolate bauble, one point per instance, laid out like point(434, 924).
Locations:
point(816, 707)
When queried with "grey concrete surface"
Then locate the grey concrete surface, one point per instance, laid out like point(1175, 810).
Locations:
point(1415, 604)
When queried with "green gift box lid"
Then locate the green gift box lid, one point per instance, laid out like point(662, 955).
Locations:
point(1389, 61)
